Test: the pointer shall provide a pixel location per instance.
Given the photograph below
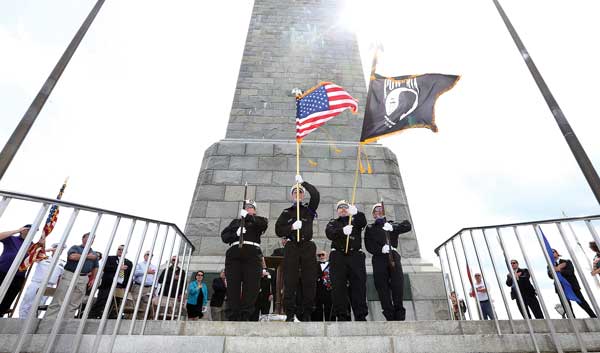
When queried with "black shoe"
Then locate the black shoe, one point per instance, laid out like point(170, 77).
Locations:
point(289, 318)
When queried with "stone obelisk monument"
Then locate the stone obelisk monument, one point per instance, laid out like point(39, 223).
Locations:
point(296, 44)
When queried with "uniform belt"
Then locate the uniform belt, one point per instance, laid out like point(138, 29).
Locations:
point(357, 250)
point(246, 243)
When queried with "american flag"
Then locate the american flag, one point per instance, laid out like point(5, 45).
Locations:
point(37, 251)
point(320, 104)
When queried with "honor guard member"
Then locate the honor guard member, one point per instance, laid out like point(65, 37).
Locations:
point(348, 267)
point(243, 266)
point(389, 280)
point(299, 259)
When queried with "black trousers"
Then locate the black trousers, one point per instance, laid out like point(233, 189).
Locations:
point(11, 294)
point(299, 256)
point(390, 286)
point(584, 304)
point(98, 307)
point(243, 268)
point(323, 309)
point(531, 304)
point(348, 268)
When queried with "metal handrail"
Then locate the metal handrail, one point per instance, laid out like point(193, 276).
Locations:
point(505, 225)
point(27, 197)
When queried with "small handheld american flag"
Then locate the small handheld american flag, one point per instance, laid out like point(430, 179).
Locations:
point(319, 105)
point(37, 251)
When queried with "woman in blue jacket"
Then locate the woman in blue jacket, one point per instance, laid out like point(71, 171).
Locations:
point(197, 297)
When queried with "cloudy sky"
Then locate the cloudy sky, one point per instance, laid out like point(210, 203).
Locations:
point(127, 121)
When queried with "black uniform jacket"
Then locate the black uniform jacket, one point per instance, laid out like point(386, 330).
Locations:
point(335, 232)
point(525, 285)
point(375, 235)
point(283, 227)
point(255, 227)
point(569, 274)
point(112, 262)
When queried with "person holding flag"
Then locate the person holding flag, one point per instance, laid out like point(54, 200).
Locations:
point(381, 240)
point(296, 225)
point(243, 264)
point(348, 266)
point(569, 283)
point(11, 241)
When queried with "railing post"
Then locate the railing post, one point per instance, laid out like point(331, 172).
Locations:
point(582, 274)
point(187, 270)
point(510, 319)
point(88, 305)
point(462, 317)
point(10, 275)
point(559, 288)
point(162, 285)
point(113, 287)
point(141, 291)
point(479, 310)
point(540, 296)
point(180, 279)
point(38, 296)
point(448, 301)
point(485, 283)
point(4, 204)
point(462, 282)
point(172, 279)
point(59, 318)
point(127, 289)
point(154, 281)
point(520, 300)
point(593, 232)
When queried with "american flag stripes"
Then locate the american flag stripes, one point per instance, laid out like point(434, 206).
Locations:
point(319, 105)
point(37, 251)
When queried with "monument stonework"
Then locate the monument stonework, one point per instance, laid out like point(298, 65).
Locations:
point(296, 44)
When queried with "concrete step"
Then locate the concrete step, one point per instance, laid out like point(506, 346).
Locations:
point(265, 337)
point(372, 344)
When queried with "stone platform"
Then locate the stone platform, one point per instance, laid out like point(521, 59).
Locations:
point(266, 337)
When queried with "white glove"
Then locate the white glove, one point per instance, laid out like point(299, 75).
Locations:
point(385, 249)
point(388, 227)
point(243, 213)
point(238, 231)
point(352, 210)
point(297, 225)
point(204, 309)
point(299, 179)
point(348, 229)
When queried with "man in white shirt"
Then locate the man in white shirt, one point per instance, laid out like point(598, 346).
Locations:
point(482, 296)
point(41, 270)
point(138, 277)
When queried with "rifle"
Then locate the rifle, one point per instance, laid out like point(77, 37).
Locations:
point(391, 261)
point(243, 219)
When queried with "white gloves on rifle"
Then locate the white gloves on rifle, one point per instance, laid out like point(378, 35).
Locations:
point(238, 231)
point(385, 249)
point(299, 179)
point(388, 227)
point(243, 213)
point(297, 225)
point(348, 229)
point(352, 210)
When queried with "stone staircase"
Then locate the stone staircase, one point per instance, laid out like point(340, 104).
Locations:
point(266, 337)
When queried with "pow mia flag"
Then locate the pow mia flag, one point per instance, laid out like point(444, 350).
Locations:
point(398, 103)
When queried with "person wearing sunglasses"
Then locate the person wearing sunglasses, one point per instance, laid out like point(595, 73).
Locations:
point(527, 290)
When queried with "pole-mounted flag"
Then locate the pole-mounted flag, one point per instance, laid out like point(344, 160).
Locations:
point(37, 251)
point(399, 103)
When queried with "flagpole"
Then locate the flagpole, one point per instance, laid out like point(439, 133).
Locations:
point(18, 136)
point(353, 192)
point(297, 189)
point(578, 152)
